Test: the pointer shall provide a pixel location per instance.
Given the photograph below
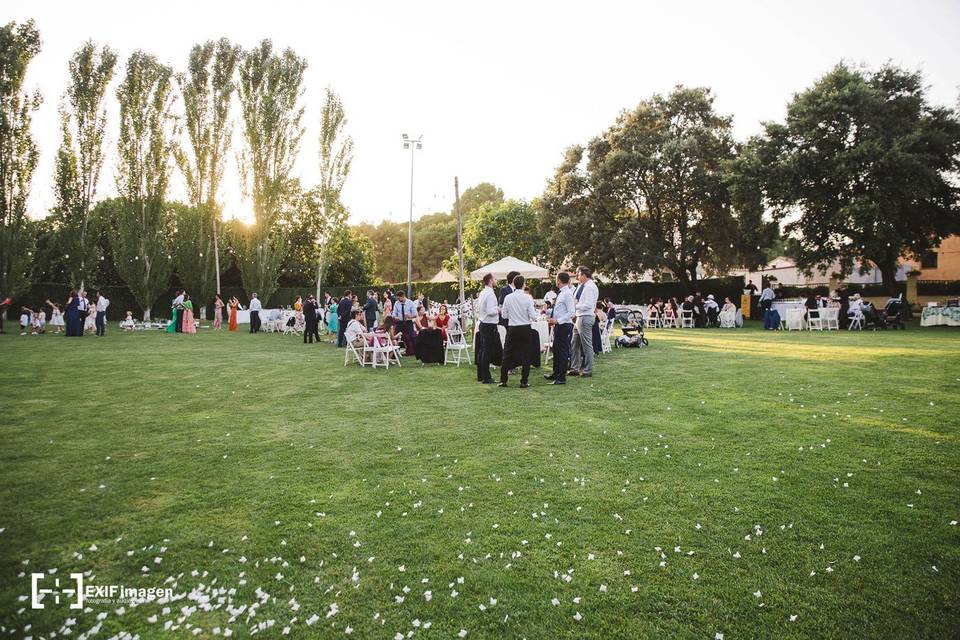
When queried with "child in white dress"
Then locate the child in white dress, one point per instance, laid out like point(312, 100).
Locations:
point(56, 316)
point(127, 323)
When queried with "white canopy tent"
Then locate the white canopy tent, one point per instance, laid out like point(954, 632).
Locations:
point(502, 267)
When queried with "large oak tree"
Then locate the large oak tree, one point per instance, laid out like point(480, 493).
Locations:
point(864, 170)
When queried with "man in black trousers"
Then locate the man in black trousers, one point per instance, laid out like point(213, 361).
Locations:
point(370, 308)
point(561, 319)
point(344, 314)
point(520, 313)
point(310, 320)
point(488, 336)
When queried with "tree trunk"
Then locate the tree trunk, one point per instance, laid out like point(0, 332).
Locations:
point(203, 312)
point(146, 314)
point(888, 273)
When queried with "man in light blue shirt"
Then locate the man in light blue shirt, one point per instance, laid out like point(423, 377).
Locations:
point(564, 310)
point(586, 296)
point(405, 312)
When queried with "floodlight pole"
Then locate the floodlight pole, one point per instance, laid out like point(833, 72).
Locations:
point(456, 195)
point(413, 146)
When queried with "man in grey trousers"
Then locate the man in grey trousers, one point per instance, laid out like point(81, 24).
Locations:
point(586, 295)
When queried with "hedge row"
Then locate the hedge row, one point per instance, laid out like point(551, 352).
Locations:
point(938, 287)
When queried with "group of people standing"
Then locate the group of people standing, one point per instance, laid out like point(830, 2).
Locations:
point(81, 314)
point(572, 317)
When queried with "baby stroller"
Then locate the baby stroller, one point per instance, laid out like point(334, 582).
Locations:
point(892, 315)
point(632, 337)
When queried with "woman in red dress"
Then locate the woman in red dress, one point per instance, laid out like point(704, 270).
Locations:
point(442, 320)
point(234, 304)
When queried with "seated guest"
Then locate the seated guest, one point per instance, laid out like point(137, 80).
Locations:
point(813, 306)
point(728, 314)
point(423, 320)
point(389, 327)
point(856, 305)
point(670, 312)
point(442, 320)
point(712, 309)
point(354, 333)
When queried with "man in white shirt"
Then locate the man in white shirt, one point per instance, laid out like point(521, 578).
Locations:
point(519, 312)
point(488, 336)
point(586, 296)
point(102, 304)
point(767, 297)
point(255, 308)
point(564, 311)
point(177, 306)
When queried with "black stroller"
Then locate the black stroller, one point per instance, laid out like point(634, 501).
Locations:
point(892, 315)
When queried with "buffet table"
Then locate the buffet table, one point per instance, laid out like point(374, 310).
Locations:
point(936, 316)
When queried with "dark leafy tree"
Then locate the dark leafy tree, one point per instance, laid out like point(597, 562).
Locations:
point(864, 168)
point(653, 193)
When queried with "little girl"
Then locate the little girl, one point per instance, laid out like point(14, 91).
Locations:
point(56, 316)
point(25, 320)
point(127, 323)
point(39, 322)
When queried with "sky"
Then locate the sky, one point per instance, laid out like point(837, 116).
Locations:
point(497, 89)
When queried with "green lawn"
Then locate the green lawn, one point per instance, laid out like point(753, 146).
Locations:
point(743, 483)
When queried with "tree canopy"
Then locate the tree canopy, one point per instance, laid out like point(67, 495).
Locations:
point(863, 168)
point(653, 192)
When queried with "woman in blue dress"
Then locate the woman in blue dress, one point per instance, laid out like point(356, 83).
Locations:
point(74, 323)
point(333, 325)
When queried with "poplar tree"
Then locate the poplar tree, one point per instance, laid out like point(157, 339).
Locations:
point(270, 88)
point(207, 89)
point(83, 121)
point(336, 154)
point(18, 154)
point(143, 228)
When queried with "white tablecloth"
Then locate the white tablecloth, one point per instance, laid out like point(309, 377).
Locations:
point(243, 315)
point(940, 316)
point(781, 306)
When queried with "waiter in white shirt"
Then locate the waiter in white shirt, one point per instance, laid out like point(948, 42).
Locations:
point(564, 310)
point(586, 297)
point(255, 308)
point(101, 321)
point(488, 336)
point(767, 297)
point(519, 312)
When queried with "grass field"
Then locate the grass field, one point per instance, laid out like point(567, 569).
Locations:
point(749, 484)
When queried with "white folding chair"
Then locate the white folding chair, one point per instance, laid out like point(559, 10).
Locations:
point(351, 350)
point(815, 319)
point(831, 318)
point(387, 347)
point(686, 319)
point(793, 319)
point(651, 319)
point(856, 320)
point(605, 346)
point(456, 346)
